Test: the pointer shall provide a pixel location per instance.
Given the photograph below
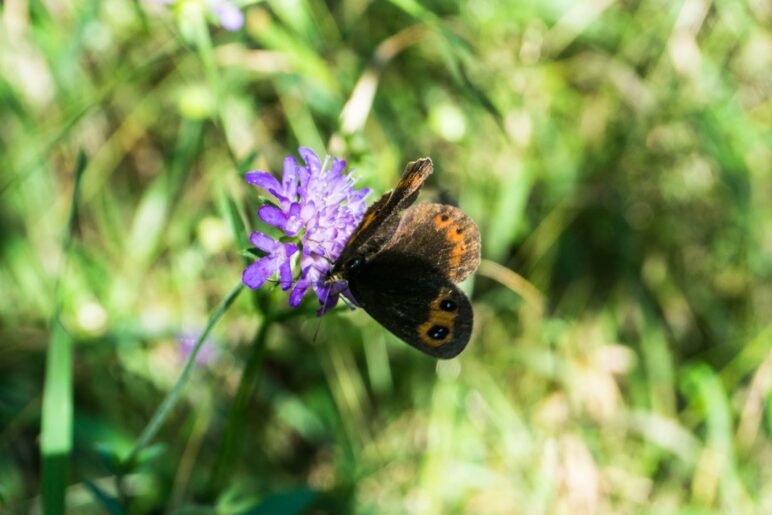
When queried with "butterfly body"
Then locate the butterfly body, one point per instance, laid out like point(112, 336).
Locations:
point(402, 262)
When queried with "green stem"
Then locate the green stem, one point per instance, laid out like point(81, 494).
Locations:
point(57, 410)
point(234, 430)
point(205, 50)
point(173, 396)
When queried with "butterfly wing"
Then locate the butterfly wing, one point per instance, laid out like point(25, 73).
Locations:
point(416, 302)
point(407, 264)
point(381, 220)
point(443, 236)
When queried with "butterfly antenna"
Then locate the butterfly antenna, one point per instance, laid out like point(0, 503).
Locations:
point(316, 333)
point(326, 294)
point(324, 303)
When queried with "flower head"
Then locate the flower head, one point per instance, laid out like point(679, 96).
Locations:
point(228, 15)
point(207, 354)
point(317, 209)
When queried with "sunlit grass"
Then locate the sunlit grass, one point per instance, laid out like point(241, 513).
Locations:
point(616, 157)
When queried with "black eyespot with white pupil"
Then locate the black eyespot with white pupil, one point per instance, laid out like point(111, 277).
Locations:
point(438, 332)
point(448, 305)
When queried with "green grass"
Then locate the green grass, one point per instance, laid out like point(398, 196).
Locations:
point(616, 157)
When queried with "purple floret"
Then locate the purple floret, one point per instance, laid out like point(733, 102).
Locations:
point(318, 209)
point(231, 18)
point(227, 13)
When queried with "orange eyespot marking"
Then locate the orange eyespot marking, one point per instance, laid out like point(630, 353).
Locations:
point(457, 253)
point(455, 234)
point(435, 335)
point(442, 220)
point(438, 329)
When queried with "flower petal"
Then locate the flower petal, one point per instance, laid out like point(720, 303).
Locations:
point(289, 249)
point(258, 272)
point(294, 224)
point(337, 166)
point(272, 216)
point(289, 178)
point(263, 242)
point(285, 274)
point(301, 287)
point(304, 176)
point(285, 266)
point(350, 296)
point(327, 300)
point(307, 211)
point(311, 159)
point(231, 18)
point(264, 180)
point(358, 195)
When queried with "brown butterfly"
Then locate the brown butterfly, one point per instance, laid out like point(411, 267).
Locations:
point(402, 262)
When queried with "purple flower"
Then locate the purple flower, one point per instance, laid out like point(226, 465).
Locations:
point(206, 354)
point(229, 16)
point(278, 259)
point(317, 209)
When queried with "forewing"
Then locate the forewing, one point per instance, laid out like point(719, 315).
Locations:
point(441, 235)
point(415, 302)
point(381, 220)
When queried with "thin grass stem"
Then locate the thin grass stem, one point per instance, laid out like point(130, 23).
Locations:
point(164, 410)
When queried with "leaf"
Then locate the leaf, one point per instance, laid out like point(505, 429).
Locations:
point(107, 502)
point(56, 415)
point(56, 423)
point(289, 502)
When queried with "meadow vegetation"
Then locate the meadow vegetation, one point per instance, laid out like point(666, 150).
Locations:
point(615, 155)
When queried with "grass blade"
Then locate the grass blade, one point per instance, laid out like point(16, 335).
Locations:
point(56, 423)
point(56, 415)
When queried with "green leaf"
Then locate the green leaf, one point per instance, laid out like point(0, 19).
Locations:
point(57, 411)
point(290, 502)
point(109, 458)
point(56, 419)
point(108, 503)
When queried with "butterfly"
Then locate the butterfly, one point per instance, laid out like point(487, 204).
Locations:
point(402, 262)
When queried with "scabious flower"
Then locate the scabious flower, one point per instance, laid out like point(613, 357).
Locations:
point(317, 209)
point(186, 342)
point(227, 14)
point(231, 18)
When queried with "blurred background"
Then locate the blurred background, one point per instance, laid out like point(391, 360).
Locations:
point(616, 156)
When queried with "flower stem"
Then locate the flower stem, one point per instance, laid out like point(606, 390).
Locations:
point(205, 50)
point(172, 397)
point(234, 429)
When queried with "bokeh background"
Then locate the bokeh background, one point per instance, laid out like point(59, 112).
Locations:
point(615, 154)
